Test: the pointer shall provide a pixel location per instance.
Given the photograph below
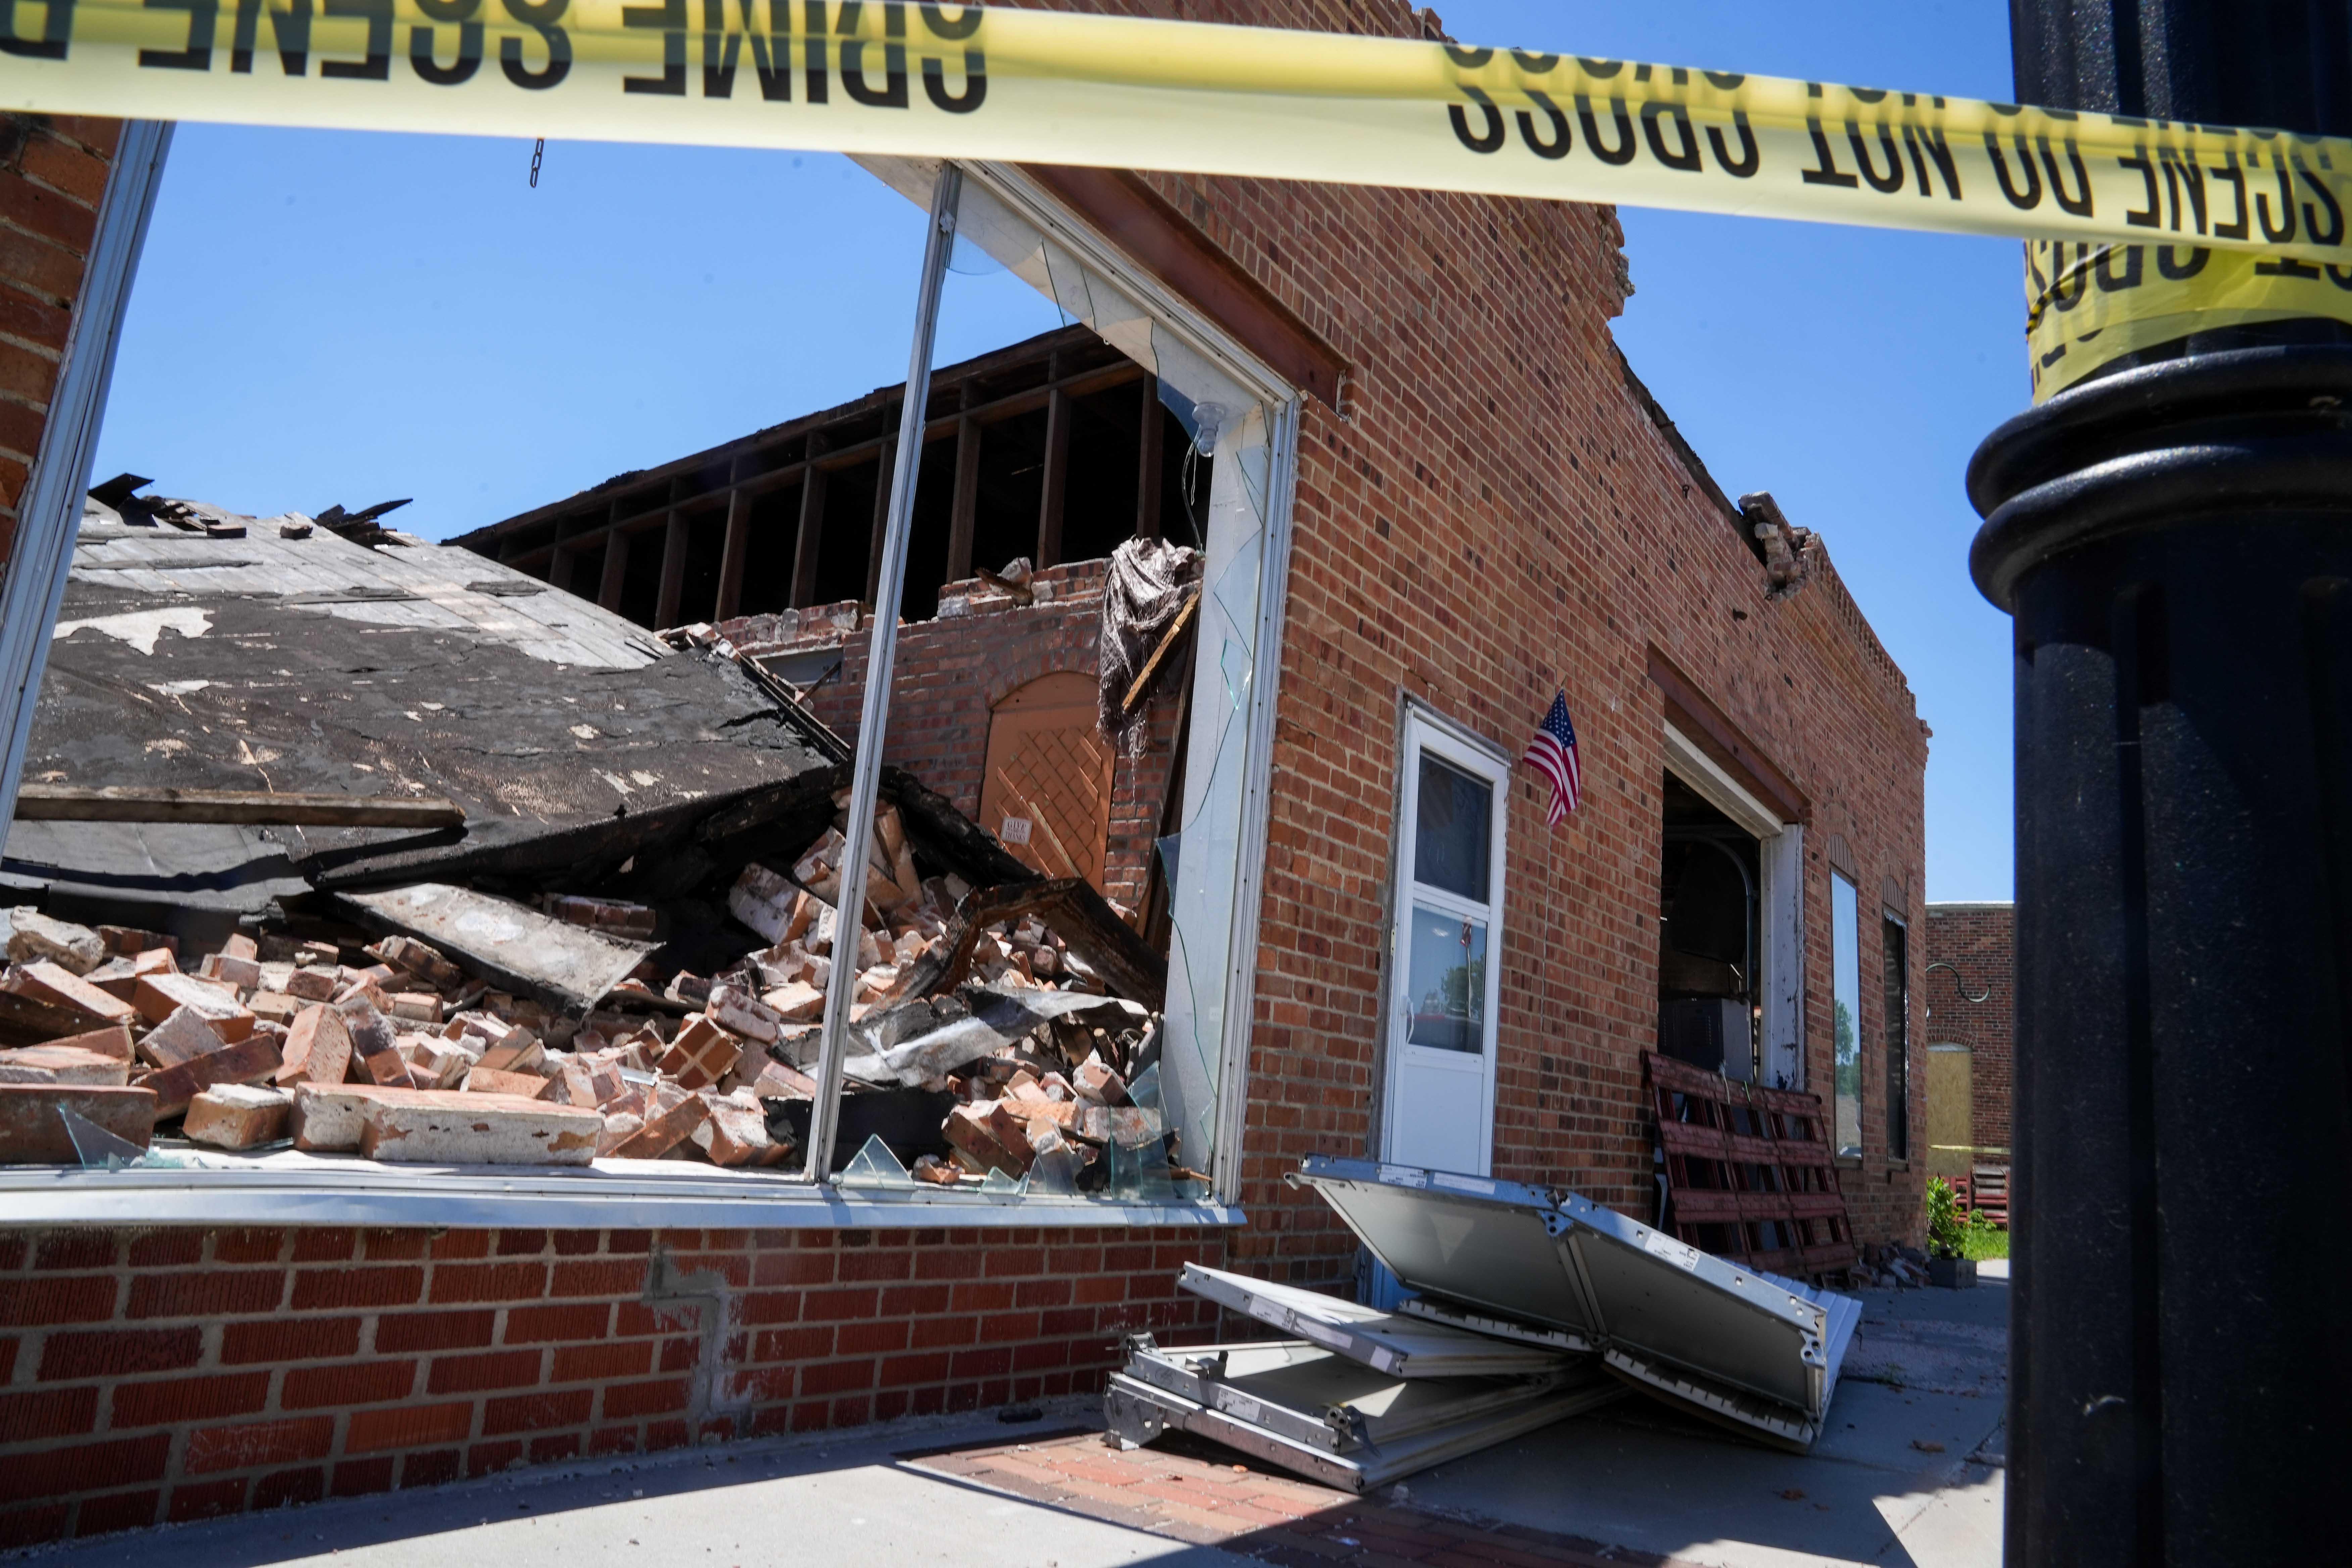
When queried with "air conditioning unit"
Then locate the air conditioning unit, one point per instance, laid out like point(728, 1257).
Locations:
point(1711, 1033)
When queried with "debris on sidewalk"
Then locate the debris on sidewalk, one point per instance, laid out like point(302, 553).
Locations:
point(1521, 1303)
point(1887, 1264)
point(1332, 1419)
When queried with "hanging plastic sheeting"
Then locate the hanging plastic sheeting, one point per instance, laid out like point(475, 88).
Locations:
point(1748, 1350)
point(1234, 427)
point(1149, 583)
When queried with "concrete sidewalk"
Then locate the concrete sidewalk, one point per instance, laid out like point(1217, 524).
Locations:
point(1908, 1474)
point(843, 1500)
point(1908, 1471)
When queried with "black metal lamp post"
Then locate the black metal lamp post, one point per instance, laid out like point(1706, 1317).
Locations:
point(2174, 539)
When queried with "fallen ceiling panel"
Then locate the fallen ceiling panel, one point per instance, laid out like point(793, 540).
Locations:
point(1386, 1342)
point(535, 954)
point(1751, 1350)
point(1328, 1418)
point(1327, 1401)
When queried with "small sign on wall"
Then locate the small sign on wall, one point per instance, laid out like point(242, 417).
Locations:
point(1016, 830)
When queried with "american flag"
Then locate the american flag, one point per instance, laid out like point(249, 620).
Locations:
point(1553, 754)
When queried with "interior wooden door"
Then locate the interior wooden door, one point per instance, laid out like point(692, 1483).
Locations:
point(1046, 792)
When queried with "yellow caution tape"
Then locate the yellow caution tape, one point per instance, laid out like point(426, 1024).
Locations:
point(967, 81)
point(2088, 304)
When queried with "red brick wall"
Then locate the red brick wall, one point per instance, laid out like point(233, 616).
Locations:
point(1980, 941)
point(1497, 518)
point(171, 1375)
point(52, 173)
point(953, 672)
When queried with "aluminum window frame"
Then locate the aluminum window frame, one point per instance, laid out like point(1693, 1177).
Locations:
point(1842, 953)
point(303, 1191)
point(33, 582)
point(1285, 402)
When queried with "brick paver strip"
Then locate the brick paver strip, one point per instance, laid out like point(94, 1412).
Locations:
point(1196, 1492)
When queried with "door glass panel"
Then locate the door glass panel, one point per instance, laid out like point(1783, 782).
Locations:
point(1845, 1014)
point(1450, 838)
point(1445, 985)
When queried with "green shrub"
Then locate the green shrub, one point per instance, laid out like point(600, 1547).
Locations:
point(1948, 1229)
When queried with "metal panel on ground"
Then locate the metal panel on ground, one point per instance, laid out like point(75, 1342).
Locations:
point(1730, 1342)
point(1385, 1342)
point(1469, 1239)
point(1137, 1412)
point(1312, 1396)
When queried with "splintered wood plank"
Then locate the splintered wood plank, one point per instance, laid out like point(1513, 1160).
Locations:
point(65, 803)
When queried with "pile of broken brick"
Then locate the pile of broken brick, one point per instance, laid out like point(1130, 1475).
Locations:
point(1890, 1263)
point(978, 1044)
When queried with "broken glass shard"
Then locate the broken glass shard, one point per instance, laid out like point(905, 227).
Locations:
point(99, 1150)
point(875, 1166)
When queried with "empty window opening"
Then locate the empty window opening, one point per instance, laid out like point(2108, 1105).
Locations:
point(1710, 937)
point(1054, 446)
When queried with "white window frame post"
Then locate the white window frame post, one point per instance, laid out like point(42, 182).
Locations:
point(866, 772)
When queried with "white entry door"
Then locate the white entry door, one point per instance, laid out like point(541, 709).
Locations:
point(1446, 946)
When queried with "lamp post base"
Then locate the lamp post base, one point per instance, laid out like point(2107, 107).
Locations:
point(2175, 542)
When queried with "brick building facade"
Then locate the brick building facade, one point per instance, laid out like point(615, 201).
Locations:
point(1972, 1003)
point(52, 173)
point(178, 1373)
point(1500, 512)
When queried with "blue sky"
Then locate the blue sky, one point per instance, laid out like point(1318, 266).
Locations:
point(324, 318)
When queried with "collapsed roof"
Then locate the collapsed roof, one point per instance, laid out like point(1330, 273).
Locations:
point(201, 649)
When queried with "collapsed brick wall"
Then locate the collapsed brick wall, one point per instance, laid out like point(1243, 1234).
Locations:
point(161, 1376)
point(953, 672)
point(53, 172)
point(1980, 941)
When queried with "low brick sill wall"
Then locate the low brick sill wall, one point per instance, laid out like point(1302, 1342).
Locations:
point(156, 1375)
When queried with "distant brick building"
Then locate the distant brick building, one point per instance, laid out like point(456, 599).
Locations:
point(1968, 1022)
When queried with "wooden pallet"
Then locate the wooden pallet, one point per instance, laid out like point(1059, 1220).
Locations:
point(1749, 1175)
point(1987, 1193)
